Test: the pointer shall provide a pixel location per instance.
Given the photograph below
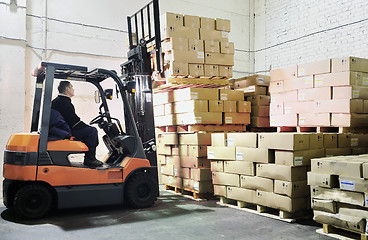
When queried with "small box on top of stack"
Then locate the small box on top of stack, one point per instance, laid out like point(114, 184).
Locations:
point(196, 46)
point(332, 92)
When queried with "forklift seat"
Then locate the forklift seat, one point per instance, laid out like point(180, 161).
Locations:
point(67, 145)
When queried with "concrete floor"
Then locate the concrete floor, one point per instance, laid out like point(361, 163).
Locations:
point(172, 217)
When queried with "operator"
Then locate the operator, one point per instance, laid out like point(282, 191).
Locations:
point(81, 131)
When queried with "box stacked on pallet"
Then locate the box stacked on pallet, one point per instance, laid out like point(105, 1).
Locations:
point(256, 90)
point(332, 92)
point(339, 191)
point(196, 46)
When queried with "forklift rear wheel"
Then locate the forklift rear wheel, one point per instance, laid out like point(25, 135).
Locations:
point(33, 201)
point(141, 191)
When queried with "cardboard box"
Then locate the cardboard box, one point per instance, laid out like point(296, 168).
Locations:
point(291, 96)
point(239, 167)
point(177, 43)
point(365, 106)
point(168, 138)
point(323, 180)
point(344, 140)
point(281, 202)
point(337, 152)
point(211, 70)
point(201, 174)
point(260, 100)
point(260, 111)
point(359, 140)
point(193, 151)
point(255, 80)
point(206, 34)
point(193, 162)
point(283, 73)
point(207, 23)
point(172, 19)
point(280, 172)
point(297, 158)
point(192, 21)
point(216, 105)
point(231, 106)
point(211, 46)
point(196, 70)
point(254, 90)
point(261, 122)
point(219, 59)
point(314, 119)
point(191, 106)
point(203, 139)
point(276, 87)
point(357, 224)
point(173, 181)
point(163, 98)
point(231, 95)
point(324, 205)
point(338, 195)
point(175, 68)
point(167, 169)
point(316, 140)
point(243, 106)
point(257, 183)
point(159, 110)
point(277, 108)
point(237, 118)
point(248, 140)
point(341, 79)
point(314, 68)
point(349, 92)
point(284, 141)
point(185, 56)
point(292, 189)
point(169, 108)
point(349, 64)
point(353, 184)
point(260, 155)
point(330, 140)
point(195, 94)
point(284, 120)
point(228, 179)
point(312, 94)
point(298, 83)
point(217, 166)
point(225, 71)
point(174, 160)
point(219, 190)
point(349, 120)
point(195, 45)
point(241, 194)
point(221, 153)
point(222, 25)
point(339, 106)
point(342, 166)
point(177, 31)
point(199, 118)
point(227, 47)
point(219, 139)
point(299, 107)
point(198, 186)
point(167, 120)
point(161, 159)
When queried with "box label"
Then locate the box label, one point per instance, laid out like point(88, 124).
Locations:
point(229, 120)
point(260, 81)
point(301, 120)
point(230, 142)
point(239, 156)
point(319, 80)
point(211, 154)
point(225, 34)
point(196, 186)
point(298, 161)
point(354, 142)
point(198, 119)
point(252, 88)
point(301, 71)
point(194, 95)
point(356, 93)
point(200, 55)
point(307, 81)
point(223, 96)
point(287, 110)
point(170, 180)
point(301, 96)
point(176, 172)
point(167, 160)
point(347, 185)
point(365, 80)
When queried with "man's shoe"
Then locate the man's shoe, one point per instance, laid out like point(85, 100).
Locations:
point(92, 163)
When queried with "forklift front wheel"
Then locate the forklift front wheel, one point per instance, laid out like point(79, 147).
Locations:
point(141, 190)
point(32, 201)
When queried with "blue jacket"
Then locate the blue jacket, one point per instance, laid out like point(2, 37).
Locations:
point(58, 128)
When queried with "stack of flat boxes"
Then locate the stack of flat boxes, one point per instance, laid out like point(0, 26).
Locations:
point(256, 91)
point(339, 188)
point(332, 92)
point(196, 46)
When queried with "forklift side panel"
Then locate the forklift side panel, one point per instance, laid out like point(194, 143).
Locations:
point(19, 172)
point(23, 142)
point(131, 164)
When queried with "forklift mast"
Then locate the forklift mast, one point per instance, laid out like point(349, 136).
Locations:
point(144, 51)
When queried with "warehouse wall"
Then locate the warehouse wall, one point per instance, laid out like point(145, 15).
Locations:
point(290, 32)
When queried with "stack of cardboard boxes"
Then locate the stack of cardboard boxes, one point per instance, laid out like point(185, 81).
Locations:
point(256, 91)
point(332, 92)
point(339, 191)
point(196, 46)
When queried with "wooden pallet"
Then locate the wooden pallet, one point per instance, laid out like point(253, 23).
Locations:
point(340, 233)
point(323, 129)
point(211, 128)
point(261, 129)
point(166, 129)
point(192, 194)
point(265, 211)
point(179, 83)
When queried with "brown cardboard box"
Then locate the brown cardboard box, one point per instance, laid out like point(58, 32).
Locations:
point(211, 46)
point(353, 184)
point(242, 139)
point(241, 194)
point(284, 120)
point(261, 122)
point(297, 158)
point(168, 138)
point(222, 25)
point(191, 106)
point(340, 79)
point(243, 106)
point(175, 151)
point(314, 119)
point(221, 153)
point(195, 45)
point(260, 155)
point(199, 118)
point(217, 166)
point(192, 21)
point(227, 47)
point(349, 64)
point(193, 151)
point(161, 159)
point(206, 34)
point(185, 56)
point(173, 181)
point(312, 94)
point(191, 162)
point(277, 108)
point(176, 43)
point(221, 178)
point(260, 100)
point(280, 172)
point(167, 169)
point(337, 152)
point(324, 205)
point(339, 106)
point(159, 110)
point(284, 141)
point(225, 71)
point(174, 160)
point(256, 183)
point(330, 140)
point(349, 120)
point(254, 90)
point(219, 59)
point(338, 195)
point(211, 70)
point(255, 80)
point(230, 106)
point(277, 201)
point(219, 139)
point(239, 167)
point(216, 105)
point(344, 140)
point(196, 70)
point(237, 118)
point(201, 174)
point(283, 73)
point(163, 98)
point(203, 139)
point(219, 190)
point(208, 23)
point(357, 151)
point(342, 166)
point(313, 68)
point(167, 120)
point(276, 87)
point(316, 140)
point(292, 189)
point(199, 186)
point(349, 92)
point(260, 111)
point(172, 19)
point(298, 83)
point(359, 140)
point(291, 96)
point(231, 95)
point(169, 108)
point(177, 31)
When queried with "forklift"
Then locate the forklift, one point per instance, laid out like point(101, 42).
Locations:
point(38, 174)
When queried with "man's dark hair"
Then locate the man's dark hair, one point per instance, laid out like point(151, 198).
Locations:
point(63, 85)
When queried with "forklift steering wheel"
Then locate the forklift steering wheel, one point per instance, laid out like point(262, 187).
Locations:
point(97, 119)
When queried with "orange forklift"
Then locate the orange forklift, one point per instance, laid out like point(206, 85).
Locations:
point(38, 174)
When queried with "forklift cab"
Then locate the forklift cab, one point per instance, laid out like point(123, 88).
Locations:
point(38, 175)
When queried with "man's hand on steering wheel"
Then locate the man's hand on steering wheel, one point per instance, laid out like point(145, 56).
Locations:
point(97, 119)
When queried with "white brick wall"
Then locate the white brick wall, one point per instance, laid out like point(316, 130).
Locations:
point(293, 32)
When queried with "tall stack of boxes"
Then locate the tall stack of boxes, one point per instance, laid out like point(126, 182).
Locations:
point(339, 189)
point(256, 91)
point(196, 46)
point(332, 92)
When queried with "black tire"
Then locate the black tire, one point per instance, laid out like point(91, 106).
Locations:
point(33, 201)
point(141, 191)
